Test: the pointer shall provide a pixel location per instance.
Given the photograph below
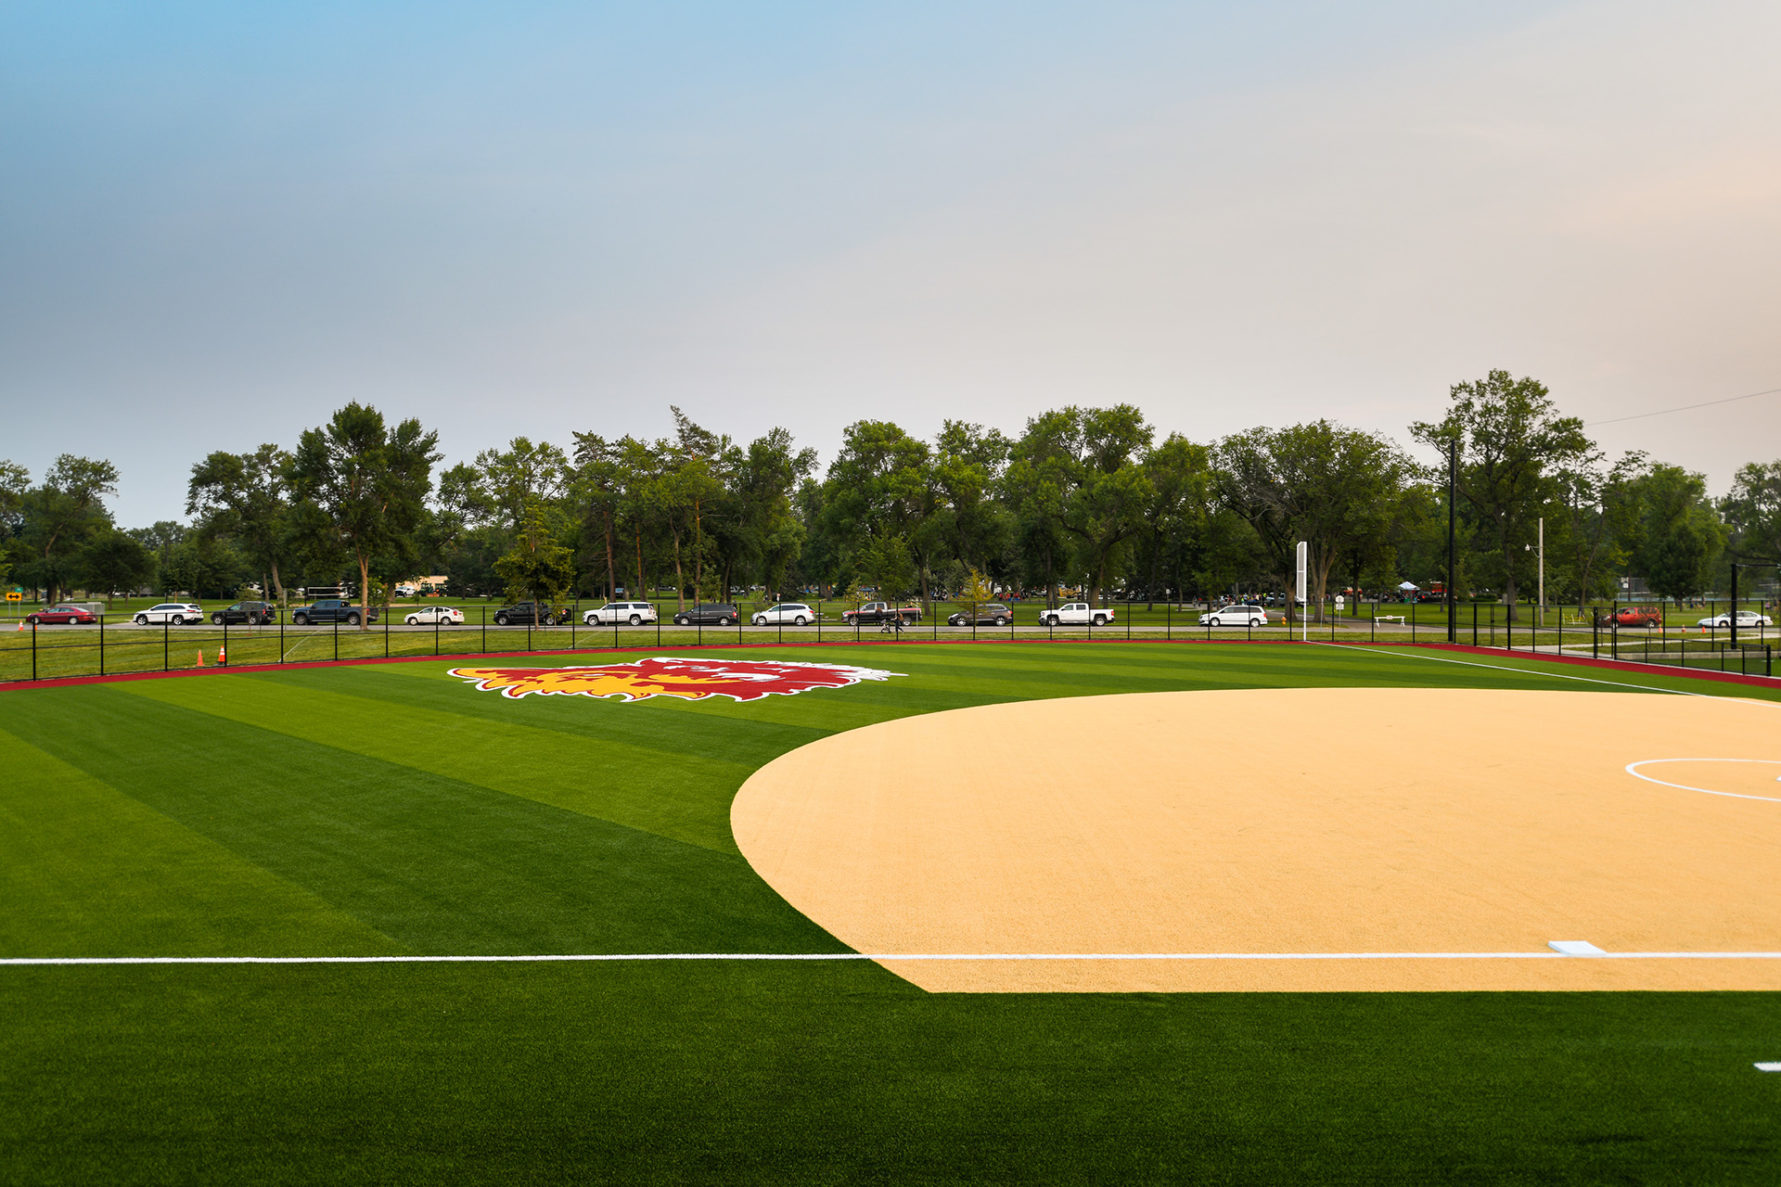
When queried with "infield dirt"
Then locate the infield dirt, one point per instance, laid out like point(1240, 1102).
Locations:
point(1441, 837)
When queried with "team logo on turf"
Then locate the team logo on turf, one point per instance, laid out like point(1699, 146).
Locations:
point(667, 676)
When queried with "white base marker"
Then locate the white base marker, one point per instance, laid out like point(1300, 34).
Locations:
point(1768, 1067)
point(1575, 948)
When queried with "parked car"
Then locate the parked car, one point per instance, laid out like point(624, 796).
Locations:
point(991, 613)
point(1237, 614)
point(1633, 616)
point(708, 614)
point(436, 616)
point(331, 610)
point(634, 613)
point(1076, 614)
point(66, 615)
point(796, 613)
point(174, 613)
point(522, 613)
point(253, 613)
point(1746, 618)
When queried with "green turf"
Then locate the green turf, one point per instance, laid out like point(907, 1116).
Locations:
point(392, 809)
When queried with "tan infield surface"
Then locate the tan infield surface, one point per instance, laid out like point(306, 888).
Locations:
point(1292, 839)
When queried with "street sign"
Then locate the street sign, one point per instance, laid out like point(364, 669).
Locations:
point(15, 595)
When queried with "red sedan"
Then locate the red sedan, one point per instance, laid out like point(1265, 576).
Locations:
point(71, 615)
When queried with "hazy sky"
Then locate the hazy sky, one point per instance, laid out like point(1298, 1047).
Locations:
point(220, 222)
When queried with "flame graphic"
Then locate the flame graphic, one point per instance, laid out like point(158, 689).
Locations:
point(667, 676)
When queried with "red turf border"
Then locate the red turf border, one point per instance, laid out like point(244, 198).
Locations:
point(225, 670)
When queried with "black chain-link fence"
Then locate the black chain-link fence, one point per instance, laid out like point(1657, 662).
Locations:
point(1705, 635)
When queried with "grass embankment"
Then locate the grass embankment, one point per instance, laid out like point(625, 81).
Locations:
point(393, 810)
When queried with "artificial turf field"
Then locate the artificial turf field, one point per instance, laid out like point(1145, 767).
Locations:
point(392, 810)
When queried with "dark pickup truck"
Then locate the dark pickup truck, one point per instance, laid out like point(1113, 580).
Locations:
point(877, 612)
point(329, 610)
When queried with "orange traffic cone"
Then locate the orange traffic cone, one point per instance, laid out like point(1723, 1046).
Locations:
point(222, 657)
point(200, 659)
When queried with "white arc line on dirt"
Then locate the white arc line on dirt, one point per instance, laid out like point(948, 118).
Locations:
point(602, 957)
point(1632, 768)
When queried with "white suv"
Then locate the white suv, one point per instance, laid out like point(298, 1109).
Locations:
point(633, 613)
point(796, 613)
point(176, 613)
point(1240, 614)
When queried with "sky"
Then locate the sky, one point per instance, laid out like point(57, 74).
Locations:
point(221, 222)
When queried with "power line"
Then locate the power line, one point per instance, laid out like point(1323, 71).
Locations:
point(1684, 408)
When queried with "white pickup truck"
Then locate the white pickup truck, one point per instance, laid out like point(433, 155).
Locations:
point(1075, 614)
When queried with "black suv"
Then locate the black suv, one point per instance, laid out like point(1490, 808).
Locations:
point(708, 614)
point(252, 613)
point(522, 613)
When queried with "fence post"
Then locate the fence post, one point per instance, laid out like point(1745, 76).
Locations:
point(102, 644)
point(33, 651)
point(166, 658)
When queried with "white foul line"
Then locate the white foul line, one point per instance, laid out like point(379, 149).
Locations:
point(612, 957)
point(1466, 663)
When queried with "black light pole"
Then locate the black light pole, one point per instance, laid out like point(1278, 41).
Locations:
point(1734, 618)
point(1452, 491)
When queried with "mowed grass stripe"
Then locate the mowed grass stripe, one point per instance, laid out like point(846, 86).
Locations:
point(85, 870)
point(439, 865)
point(596, 775)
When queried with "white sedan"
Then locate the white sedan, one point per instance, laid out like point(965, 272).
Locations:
point(436, 616)
point(175, 613)
point(1746, 619)
point(1239, 615)
point(796, 613)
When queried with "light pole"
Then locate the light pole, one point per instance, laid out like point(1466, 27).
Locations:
point(1542, 548)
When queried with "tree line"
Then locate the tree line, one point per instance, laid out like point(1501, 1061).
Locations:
point(1093, 500)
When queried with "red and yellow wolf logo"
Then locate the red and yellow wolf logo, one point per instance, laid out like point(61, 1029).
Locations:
point(668, 676)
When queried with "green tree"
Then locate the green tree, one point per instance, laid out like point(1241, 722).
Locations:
point(537, 567)
point(1076, 475)
point(1335, 488)
point(58, 517)
point(767, 530)
point(369, 482)
point(971, 524)
point(1175, 518)
point(510, 480)
point(15, 480)
point(1753, 509)
point(1512, 441)
point(112, 560)
point(246, 496)
point(1679, 535)
point(877, 491)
